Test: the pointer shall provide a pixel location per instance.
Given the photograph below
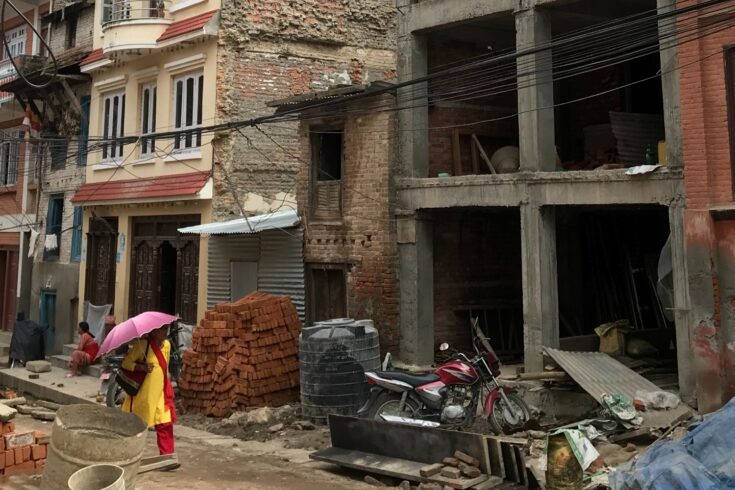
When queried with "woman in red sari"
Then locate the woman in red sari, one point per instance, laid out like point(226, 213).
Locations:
point(85, 352)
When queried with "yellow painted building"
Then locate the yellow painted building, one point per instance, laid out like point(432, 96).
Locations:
point(153, 70)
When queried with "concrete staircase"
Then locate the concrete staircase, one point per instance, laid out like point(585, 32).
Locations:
point(62, 361)
point(4, 347)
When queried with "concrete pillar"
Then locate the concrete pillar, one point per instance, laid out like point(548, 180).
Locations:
point(701, 261)
point(670, 86)
point(413, 121)
point(535, 92)
point(416, 254)
point(540, 295)
point(682, 317)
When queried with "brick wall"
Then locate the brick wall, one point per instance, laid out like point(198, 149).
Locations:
point(273, 50)
point(84, 35)
point(708, 174)
point(365, 239)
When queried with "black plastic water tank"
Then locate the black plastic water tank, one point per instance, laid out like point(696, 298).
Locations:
point(333, 358)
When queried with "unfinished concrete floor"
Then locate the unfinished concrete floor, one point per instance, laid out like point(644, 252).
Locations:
point(211, 462)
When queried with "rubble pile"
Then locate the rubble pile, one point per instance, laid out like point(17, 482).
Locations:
point(21, 451)
point(244, 354)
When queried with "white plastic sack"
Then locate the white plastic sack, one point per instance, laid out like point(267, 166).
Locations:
point(660, 400)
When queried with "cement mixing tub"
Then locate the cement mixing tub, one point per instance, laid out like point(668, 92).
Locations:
point(86, 435)
point(98, 477)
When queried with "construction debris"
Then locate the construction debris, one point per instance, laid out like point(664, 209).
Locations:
point(21, 451)
point(38, 366)
point(244, 354)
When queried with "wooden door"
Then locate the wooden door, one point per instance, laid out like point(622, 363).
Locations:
point(188, 273)
point(145, 278)
point(101, 249)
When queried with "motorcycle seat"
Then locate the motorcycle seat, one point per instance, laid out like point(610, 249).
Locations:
point(412, 379)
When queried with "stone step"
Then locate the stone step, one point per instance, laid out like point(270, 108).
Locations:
point(67, 349)
point(52, 386)
point(5, 337)
point(62, 361)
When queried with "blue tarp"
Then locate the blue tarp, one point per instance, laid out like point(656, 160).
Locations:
point(703, 460)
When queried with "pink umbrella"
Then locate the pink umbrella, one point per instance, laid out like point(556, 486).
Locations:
point(134, 328)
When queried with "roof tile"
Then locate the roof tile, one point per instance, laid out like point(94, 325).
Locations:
point(96, 55)
point(185, 26)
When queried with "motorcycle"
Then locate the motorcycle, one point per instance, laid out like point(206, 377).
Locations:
point(114, 394)
point(449, 396)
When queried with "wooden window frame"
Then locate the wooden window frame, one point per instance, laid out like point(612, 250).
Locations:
point(113, 125)
point(314, 173)
point(191, 140)
point(148, 120)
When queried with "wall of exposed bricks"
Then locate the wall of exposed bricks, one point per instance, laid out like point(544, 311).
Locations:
point(21, 452)
point(274, 50)
point(364, 239)
point(708, 177)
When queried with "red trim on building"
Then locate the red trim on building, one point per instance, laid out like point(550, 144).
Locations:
point(96, 55)
point(124, 190)
point(186, 26)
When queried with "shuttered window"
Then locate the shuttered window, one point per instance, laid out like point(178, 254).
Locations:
point(326, 151)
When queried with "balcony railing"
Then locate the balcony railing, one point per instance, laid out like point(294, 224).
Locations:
point(116, 11)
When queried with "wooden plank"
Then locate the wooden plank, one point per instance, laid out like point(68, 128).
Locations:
point(371, 463)
point(459, 484)
point(546, 376)
point(520, 464)
point(492, 482)
point(475, 157)
point(167, 461)
point(456, 153)
point(497, 468)
point(483, 154)
point(425, 445)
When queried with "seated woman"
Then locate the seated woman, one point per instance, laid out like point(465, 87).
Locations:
point(85, 352)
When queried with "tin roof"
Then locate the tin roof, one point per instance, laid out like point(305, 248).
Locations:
point(178, 185)
point(253, 224)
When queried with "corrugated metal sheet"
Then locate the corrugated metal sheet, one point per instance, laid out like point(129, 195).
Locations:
point(223, 250)
point(598, 374)
point(253, 224)
point(281, 268)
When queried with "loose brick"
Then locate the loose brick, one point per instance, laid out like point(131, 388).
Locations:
point(451, 472)
point(9, 458)
point(431, 470)
point(466, 458)
point(38, 451)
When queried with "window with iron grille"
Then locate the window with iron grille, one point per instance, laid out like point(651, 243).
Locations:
point(188, 95)
point(8, 163)
point(148, 96)
point(113, 124)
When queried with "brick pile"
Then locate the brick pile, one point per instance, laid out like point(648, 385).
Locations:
point(22, 451)
point(244, 354)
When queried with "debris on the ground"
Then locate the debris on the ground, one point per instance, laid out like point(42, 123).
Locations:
point(374, 481)
point(702, 459)
point(303, 425)
point(658, 400)
point(25, 409)
point(38, 366)
point(259, 416)
point(13, 402)
point(7, 413)
point(244, 354)
point(275, 428)
point(43, 414)
point(9, 394)
point(34, 376)
point(48, 405)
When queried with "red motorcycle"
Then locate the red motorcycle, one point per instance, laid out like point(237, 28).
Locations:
point(449, 396)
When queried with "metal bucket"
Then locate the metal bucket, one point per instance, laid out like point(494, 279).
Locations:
point(98, 477)
point(86, 435)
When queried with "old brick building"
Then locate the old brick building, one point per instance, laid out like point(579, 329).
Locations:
point(272, 50)
point(345, 196)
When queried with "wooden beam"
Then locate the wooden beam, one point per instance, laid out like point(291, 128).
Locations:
point(73, 98)
point(475, 158)
point(483, 154)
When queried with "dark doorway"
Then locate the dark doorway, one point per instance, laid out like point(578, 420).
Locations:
point(168, 279)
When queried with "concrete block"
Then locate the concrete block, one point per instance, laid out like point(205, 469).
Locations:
point(466, 458)
point(13, 441)
point(43, 414)
point(38, 366)
point(7, 413)
point(451, 472)
point(431, 470)
point(25, 409)
point(48, 405)
point(13, 402)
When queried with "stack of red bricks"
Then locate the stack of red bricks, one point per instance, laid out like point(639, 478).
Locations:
point(244, 354)
point(23, 451)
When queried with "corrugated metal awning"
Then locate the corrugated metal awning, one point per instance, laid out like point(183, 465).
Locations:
point(254, 224)
point(598, 373)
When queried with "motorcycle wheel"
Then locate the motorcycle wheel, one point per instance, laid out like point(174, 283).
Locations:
point(387, 403)
point(115, 394)
point(498, 421)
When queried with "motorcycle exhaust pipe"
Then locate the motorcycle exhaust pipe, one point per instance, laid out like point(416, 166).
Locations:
point(409, 421)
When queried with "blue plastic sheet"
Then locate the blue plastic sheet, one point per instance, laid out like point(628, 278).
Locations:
point(703, 460)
